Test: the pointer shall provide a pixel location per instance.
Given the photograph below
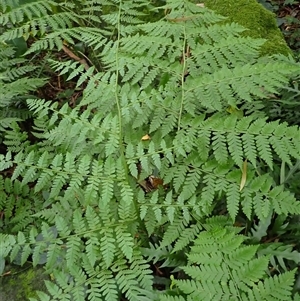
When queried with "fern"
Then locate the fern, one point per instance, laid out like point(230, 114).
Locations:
point(158, 102)
point(15, 83)
point(221, 267)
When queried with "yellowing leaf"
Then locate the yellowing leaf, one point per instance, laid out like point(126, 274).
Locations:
point(244, 175)
point(235, 111)
point(146, 137)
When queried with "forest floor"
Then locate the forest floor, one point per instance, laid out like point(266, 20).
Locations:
point(288, 20)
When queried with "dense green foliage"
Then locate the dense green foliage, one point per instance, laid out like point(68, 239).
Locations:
point(168, 93)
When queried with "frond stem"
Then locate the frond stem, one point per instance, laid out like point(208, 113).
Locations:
point(122, 146)
point(183, 62)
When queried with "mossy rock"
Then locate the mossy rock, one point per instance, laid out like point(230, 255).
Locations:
point(20, 283)
point(259, 21)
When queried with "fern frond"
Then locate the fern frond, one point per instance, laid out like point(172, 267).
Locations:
point(27, 10)
point(221, 268)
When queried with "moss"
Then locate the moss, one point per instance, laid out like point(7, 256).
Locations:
point(22, 283)
point(260, 22)
point(25, 280)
